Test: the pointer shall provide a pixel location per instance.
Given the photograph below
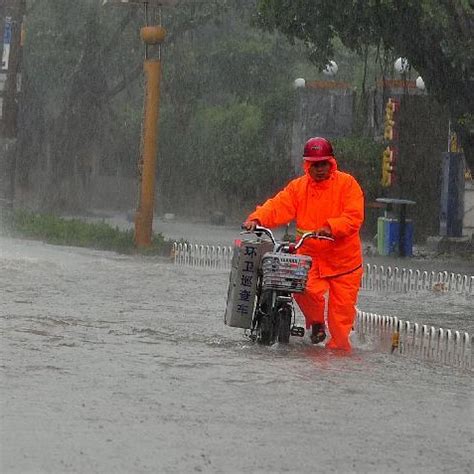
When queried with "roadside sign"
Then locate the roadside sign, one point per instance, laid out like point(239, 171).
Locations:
point(7, 39)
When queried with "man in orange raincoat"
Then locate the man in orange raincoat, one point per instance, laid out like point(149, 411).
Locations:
point(331, 203)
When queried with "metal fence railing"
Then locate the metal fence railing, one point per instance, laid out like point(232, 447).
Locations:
point(440, 345)
point(203, 256)
point(376, 277)
point(403, 280)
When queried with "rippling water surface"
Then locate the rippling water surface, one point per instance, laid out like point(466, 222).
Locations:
point(122, 364)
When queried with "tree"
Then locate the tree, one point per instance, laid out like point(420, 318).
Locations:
point(226, 110)
point(436, 36)
point(225, 98)
point(65, 131)
point(225, 101)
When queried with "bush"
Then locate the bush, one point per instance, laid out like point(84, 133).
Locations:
point(59, 231)
point(361, 157)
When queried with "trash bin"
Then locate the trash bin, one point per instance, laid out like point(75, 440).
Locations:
point(388, 237)
point(395, 233)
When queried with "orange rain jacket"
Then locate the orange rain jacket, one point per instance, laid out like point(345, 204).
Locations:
point(337, 202)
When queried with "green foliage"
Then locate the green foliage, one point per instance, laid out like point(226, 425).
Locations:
point(225, 107)
point(226, 114)
point(74, 232)
point(227, 157)
point(226, 99)
point(234, 130)
point(361, 157)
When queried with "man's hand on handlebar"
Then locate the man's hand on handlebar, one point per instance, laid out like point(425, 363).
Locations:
point(250, 225)
point(324, 231)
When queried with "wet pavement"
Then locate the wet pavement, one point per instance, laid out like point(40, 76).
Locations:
point(123, 364)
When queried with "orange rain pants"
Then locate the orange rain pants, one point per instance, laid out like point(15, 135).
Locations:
point(342, 299)
point(338, 203)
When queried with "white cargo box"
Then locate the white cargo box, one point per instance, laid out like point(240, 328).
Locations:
point(243, 281)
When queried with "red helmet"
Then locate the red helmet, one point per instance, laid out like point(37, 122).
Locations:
point(317, 149)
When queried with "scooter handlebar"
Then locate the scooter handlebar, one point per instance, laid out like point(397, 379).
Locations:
point(312, 235)
point(259, 230)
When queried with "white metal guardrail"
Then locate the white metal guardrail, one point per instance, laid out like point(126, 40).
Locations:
point(203, 256)
point(403, 280)
point(448, 347)
point(376, 277)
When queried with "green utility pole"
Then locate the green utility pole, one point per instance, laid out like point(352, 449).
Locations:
point(11, 35)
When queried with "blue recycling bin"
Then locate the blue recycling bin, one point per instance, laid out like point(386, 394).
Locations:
point(395, 235)
point(388, 237)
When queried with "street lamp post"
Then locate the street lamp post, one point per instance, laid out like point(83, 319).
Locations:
point(152, 36)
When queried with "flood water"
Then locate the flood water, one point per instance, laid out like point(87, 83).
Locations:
point(122, 364)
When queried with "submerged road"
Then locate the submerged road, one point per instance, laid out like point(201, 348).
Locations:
point(122, 364)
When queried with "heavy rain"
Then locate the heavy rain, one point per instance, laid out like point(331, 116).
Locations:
point(135, 139)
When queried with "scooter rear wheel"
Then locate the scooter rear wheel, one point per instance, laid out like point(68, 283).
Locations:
point(265, 322)
point(284, 324)
point(265, 330)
